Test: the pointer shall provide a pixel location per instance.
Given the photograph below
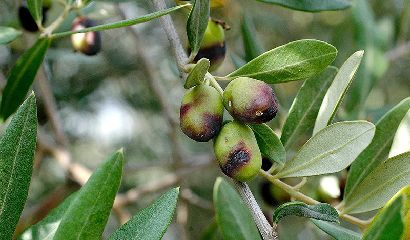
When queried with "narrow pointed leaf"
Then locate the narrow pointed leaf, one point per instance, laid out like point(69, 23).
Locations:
point(46, 228)
point(36, 9)
point(293, 61)
point(8, 34)
point(379, 148)
point(233, 217)
point(330, 150)
point(311, 5)
point(151, 222)
point(336, 231)
point(251, 43)
point(269, 143)
point(320, 211)
point(93, 203)
point(390, 222)
point(380, 185)
point(22, 76)
point(337, 91)
point(17, 148)
point(196, 25)
point(303, 112)
point(197, 74)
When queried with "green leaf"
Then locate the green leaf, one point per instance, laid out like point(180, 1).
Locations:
point(123, 23)
point(389, 223)
point(196, 25)
point(337, 91)
point(21, 77)
point(336, 231)
point(293, 61)
point(233, 217)
point(320, 211)
point(251, 43)
point(378, 149)
point(331, 150)
point(380, 185)
point(303, 112)
point(269, 143)
point(36, 9)
point(17, 148)
point(197, 74)
point(152, 222)
point(93, 203)
point(8, 34)
point(46, 228)
point(311, 5)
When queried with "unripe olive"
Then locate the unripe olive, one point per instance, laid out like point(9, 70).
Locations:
point(237, 151)
point(88, 43)
point(213, 45)
point(27, 21)
point(201, 113)
point(250, 100)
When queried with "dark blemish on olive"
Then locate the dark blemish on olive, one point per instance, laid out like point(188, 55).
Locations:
point(213, 124)
point(214, 53)
point(184, 109)
point(237, 158)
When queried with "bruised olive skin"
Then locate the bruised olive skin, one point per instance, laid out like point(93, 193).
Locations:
point(237, 151)
point(201, 113)
point(88, 43)
point(250, 100)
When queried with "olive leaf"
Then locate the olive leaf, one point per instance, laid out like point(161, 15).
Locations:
point(269, 143)
point(233, 217)
point(8, 34)
point(380, 185)
point(36, 9)
point(251, 43)
point(336, 231)
point(293, 61)
point(378, 149)
point(17, 148)
point(320, 211)
point(330, 150)
point(305, 107)
point(197, 24)
point(197, 74)
point(312, 6)
point(151, 222)
point(337, 91)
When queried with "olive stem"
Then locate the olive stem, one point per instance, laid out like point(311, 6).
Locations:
point(53, 26)
point(214, 83)
point(222, 78)
point(362, 224)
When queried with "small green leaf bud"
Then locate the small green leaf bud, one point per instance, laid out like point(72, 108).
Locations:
point(250, 100)
point(88, 43)
point(237, 151)
point(201, 113)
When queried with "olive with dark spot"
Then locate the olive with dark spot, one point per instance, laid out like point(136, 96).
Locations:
point(201, 113)
point(88, 43)
point(250, 100)
point(237, 151)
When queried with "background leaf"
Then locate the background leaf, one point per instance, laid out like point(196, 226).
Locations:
point(380, 185)
point(22, 76)
point(336, 231)
point(196, 25)
point(251, 43)
point(303, 112)
point(197, 74)
point(311, 6)
point(330, 150)
point(93, 203)
point(337, 91)
point(379, 148)
point(151, 222)
point(233, 217)
point(293, 61)
point(269, 144)
point(17, 148)
point(46, 228)
point(320, 211)
point(8, 34)
point(36, 9)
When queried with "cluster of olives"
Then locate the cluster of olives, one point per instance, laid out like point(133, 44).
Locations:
point(249, 101)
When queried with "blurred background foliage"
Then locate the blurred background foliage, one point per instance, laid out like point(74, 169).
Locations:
point(105, 102)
